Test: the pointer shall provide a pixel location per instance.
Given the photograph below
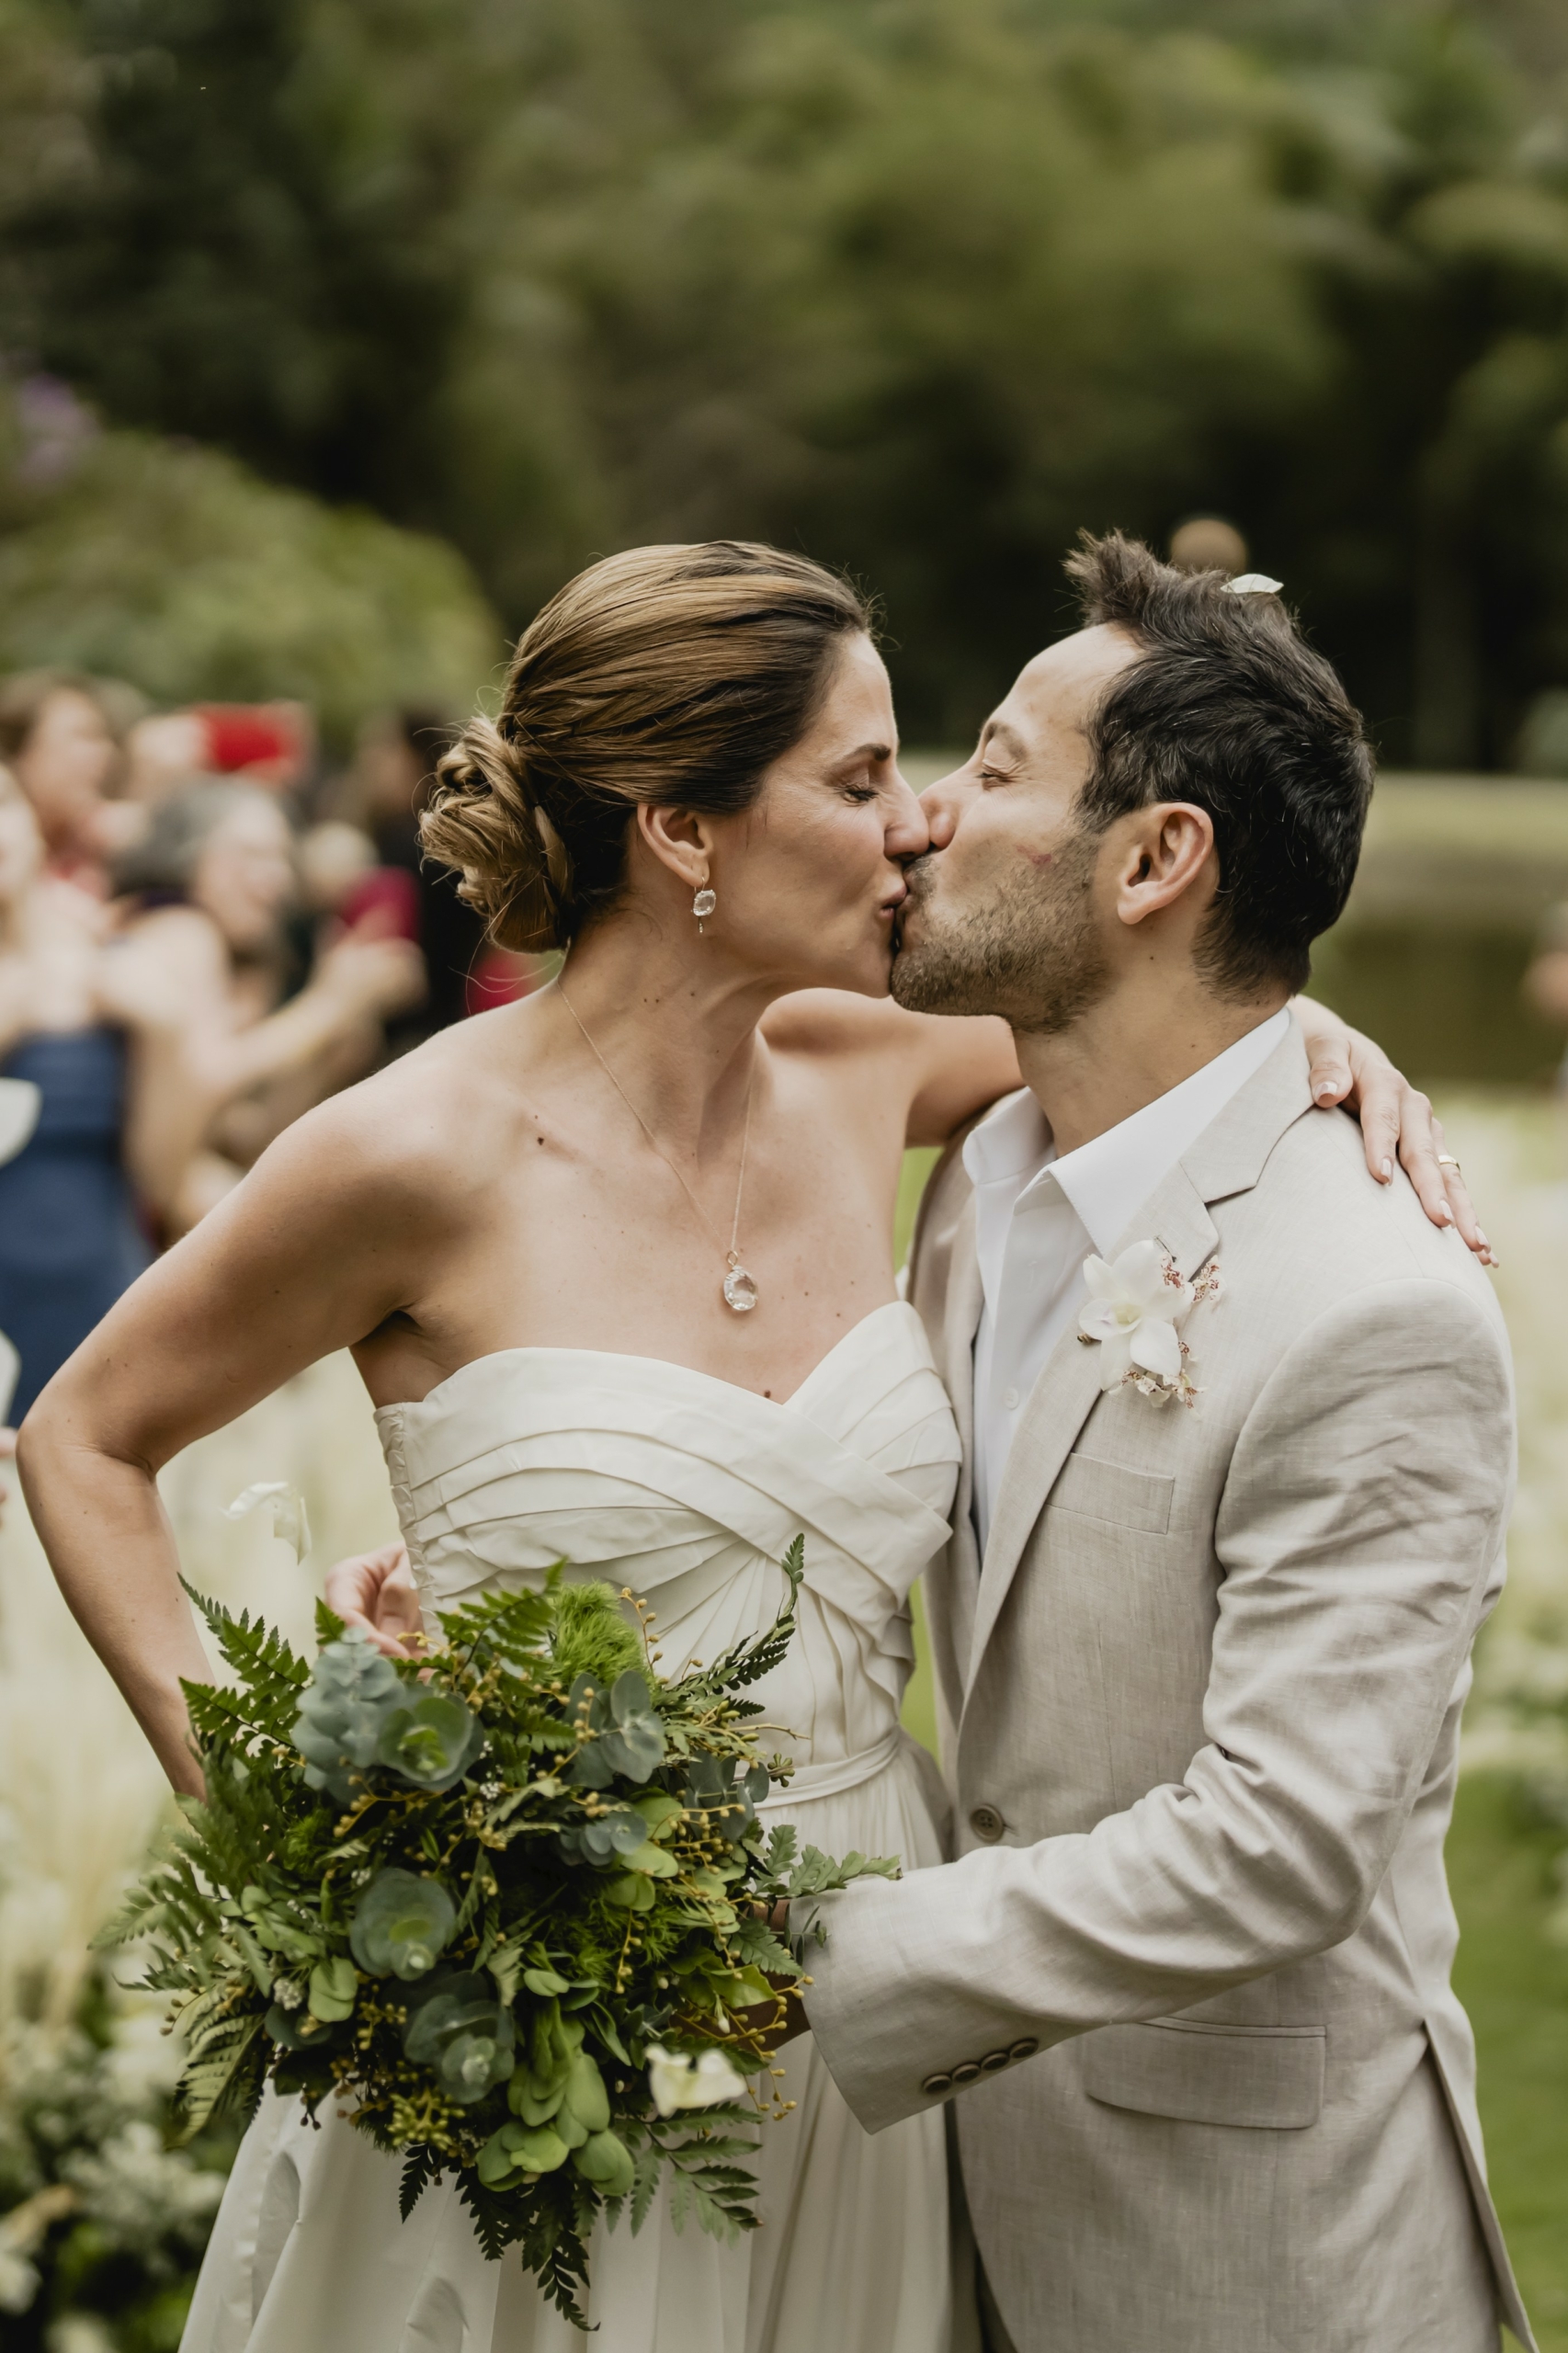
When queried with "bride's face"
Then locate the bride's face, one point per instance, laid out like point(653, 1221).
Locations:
point(810, 879)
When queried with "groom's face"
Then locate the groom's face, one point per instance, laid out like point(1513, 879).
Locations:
point(1008, 913)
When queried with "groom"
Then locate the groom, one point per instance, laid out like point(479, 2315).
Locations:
point(1232, 1513)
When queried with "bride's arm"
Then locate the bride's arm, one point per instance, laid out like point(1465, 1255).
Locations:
point(305, 1256)
point(951, 1067)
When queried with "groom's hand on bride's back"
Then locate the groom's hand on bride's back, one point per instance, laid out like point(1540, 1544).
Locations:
point(376, 1593)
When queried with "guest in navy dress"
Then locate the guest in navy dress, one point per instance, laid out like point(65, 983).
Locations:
point(93, 1110)
point(70, 1237)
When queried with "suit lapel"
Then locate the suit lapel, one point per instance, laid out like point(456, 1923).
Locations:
point(1227, 1158)
point(959, 1325)
point(1062, 1401)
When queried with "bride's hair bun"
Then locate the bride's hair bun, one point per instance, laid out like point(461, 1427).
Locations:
point(668, 675)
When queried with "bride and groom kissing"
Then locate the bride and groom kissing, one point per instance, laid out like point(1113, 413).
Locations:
point(1197, 1418)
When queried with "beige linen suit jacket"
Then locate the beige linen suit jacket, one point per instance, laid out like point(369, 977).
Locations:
point(1188, 1982)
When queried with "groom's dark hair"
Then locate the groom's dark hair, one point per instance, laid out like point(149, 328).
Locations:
point(1230, 709)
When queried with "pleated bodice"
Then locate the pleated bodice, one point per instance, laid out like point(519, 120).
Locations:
point(689, 1490)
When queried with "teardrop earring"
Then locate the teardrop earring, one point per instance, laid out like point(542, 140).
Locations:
point(704, 903)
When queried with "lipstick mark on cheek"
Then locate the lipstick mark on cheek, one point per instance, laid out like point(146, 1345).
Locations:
point(1037, 857)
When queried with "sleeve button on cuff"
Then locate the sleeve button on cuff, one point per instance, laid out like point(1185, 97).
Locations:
point(935, 2086)
point(968, 2073)
point(992, 2061)
point(1024, 2050)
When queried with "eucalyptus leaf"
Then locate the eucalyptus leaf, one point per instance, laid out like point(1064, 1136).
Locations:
point(402, 1925)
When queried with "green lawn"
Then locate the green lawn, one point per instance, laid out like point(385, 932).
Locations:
point(1514, 1981)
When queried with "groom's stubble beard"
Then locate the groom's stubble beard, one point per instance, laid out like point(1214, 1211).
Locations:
point(1030, 954)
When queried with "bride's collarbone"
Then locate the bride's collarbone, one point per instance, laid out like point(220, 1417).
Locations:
point(612, 1293)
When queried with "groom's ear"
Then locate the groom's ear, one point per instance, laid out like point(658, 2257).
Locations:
point(1164, 859)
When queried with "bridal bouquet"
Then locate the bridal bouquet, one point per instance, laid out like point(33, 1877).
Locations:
point(505, 1903)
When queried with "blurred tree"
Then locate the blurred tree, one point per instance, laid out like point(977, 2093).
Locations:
point(922, 284)
point(244, 253)
point(1423, 509)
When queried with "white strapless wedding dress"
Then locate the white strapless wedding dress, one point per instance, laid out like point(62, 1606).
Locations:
point(688, 1489)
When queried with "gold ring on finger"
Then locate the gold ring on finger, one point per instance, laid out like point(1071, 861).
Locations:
point(1447, 1160)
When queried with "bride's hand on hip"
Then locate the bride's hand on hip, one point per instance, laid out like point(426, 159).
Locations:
point(376, 1593)
point(1349, 1070)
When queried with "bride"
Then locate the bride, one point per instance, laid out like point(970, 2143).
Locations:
point(616, 1265)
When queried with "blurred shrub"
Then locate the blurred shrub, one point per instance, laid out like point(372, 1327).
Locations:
point(102, 2222)
point(175, 567)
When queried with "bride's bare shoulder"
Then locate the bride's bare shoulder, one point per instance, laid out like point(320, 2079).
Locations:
point(837, 1022)
point(434, 1127)
point(943, 1068)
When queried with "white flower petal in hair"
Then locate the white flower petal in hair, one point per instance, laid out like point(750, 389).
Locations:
point(1253, 584)
point(1135, 1306)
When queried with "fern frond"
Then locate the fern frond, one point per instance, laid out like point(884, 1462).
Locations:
point(748, 1662)
point(221, 2080)
point(421, 2166)
point(259, 1656)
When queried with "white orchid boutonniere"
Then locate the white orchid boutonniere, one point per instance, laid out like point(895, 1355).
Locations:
point(1135, 1308)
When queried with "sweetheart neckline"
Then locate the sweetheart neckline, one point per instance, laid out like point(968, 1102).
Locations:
point(664, 1364)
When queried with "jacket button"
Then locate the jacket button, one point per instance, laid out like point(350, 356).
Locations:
point(987, 1824)
point(992, 2061)
point(968, 2073)
point(935, 2086)
point(1024, 2050)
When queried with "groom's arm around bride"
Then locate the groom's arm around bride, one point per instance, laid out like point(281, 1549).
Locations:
point(1189, 1979)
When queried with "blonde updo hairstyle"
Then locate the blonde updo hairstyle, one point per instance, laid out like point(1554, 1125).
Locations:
point(668, 676)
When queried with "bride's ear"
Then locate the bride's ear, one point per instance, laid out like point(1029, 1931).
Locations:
point(681, 839)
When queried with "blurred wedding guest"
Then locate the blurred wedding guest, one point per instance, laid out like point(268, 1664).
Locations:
point(269, 744)
point(207, 897)
point(394, 762)
point(272, 745)
point(95, 1111)
point(60, 746)
point(334, 858)
point(1207, 543)
point(1546, 980)
point(165, 752)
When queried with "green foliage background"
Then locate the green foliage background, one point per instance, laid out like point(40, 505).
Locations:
point(922, 285)
point(180, 570)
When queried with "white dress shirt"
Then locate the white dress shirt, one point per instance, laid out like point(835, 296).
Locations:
point(1038, 1217)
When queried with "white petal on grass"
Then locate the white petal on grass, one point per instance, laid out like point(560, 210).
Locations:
point(677, 2081)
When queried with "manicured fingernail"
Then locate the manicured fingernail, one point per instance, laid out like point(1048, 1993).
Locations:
point(1388, 1172)
point(1327, 1091)
point(1481, 1239)
point(1445, 1215)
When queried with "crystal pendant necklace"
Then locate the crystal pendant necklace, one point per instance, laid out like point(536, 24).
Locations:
point(739, 1287)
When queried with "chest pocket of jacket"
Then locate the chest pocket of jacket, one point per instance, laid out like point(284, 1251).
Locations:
point(1097, 1489)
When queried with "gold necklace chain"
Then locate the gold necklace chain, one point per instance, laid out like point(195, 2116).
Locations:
point(739, 1289)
